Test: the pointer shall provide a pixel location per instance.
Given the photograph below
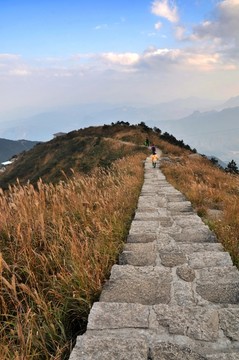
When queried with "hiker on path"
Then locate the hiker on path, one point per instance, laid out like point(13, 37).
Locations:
point(153, 149)
point(154, 158)
point(146, 143)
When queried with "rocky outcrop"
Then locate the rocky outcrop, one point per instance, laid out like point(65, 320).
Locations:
point(174, 294)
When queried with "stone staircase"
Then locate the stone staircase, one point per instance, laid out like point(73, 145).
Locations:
point(175, 294)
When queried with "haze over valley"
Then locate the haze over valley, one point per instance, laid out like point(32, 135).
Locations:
point(212, 127)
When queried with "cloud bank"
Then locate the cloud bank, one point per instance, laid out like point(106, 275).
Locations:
point(204, 62)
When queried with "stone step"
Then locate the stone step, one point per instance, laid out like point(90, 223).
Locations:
point(180, 207)
point(166, 243)
point(144, 227)
point(175, 256)
point(144, 285)
point(218, 284)
point(110, 347)
point(201, 260)
point(145, 214)
point(223, 356)
point(194, 234)
point(199, 247)
point(136, 346)
point(139, 254)
point(110, 315)
point(142, 238)
point(188, 220)
point(207, 324)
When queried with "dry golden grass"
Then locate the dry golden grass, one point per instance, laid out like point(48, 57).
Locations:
point(58, 244)
point(208, 188)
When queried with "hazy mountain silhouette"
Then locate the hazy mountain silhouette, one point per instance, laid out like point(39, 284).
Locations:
point(212, 133)
point(9, 148)
point(41, 126)
point(232, 102)
point(209, 126)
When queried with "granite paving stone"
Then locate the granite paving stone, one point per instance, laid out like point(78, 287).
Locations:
point(144, 285)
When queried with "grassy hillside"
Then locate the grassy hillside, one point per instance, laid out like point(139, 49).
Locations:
point(80, 151)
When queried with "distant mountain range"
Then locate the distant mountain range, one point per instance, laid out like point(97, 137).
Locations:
point(42, 125)
point(211, 133)
point(9, 148)
point(209, 126)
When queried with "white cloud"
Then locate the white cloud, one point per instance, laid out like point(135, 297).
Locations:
point(165, 9)
point(153, 74)
point(19, 72)
point(222, 26)
point(158, 25)
point(101, 27)
point(179, 32)
point(205, 62)
point(124, 59)
point(9, 57)
point(13, 65)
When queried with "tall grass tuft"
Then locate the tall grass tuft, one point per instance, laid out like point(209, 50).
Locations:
point(58, 244)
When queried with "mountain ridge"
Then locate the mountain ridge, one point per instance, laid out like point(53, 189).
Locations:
point(42, 125)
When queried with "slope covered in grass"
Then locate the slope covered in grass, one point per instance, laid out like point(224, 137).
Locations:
point(80, 151)
point(58, 244)
point(213, 192)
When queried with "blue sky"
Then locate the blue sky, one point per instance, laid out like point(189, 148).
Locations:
point(63, 52)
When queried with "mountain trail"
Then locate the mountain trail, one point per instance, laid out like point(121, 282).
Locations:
point(174, 294)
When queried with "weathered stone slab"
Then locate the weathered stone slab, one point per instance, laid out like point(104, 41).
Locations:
point(144, 285)
point(146, 215)
point(90, 347)
point(195, 322)
point(166, 221)
point(195, 235)
point(141, 238)
point(138, 254)
point(143, 227)
point(148, 188)
point(225, 356)
point(176, 197)
point(173, 230)
point(146, 209)
point(148, 201)
point(159, 202)
point(165, 242)
point(221, 275)
point(173, 258)
point(229, 322)
point(209, 259)
point(219, 284)
point(118, 315)
point(167, 351)
point(183, 293)
point(187, 220)
point(180, 207)
point(186, 273)
point(199, 247)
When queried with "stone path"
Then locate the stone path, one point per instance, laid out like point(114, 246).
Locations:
point(175, 294)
